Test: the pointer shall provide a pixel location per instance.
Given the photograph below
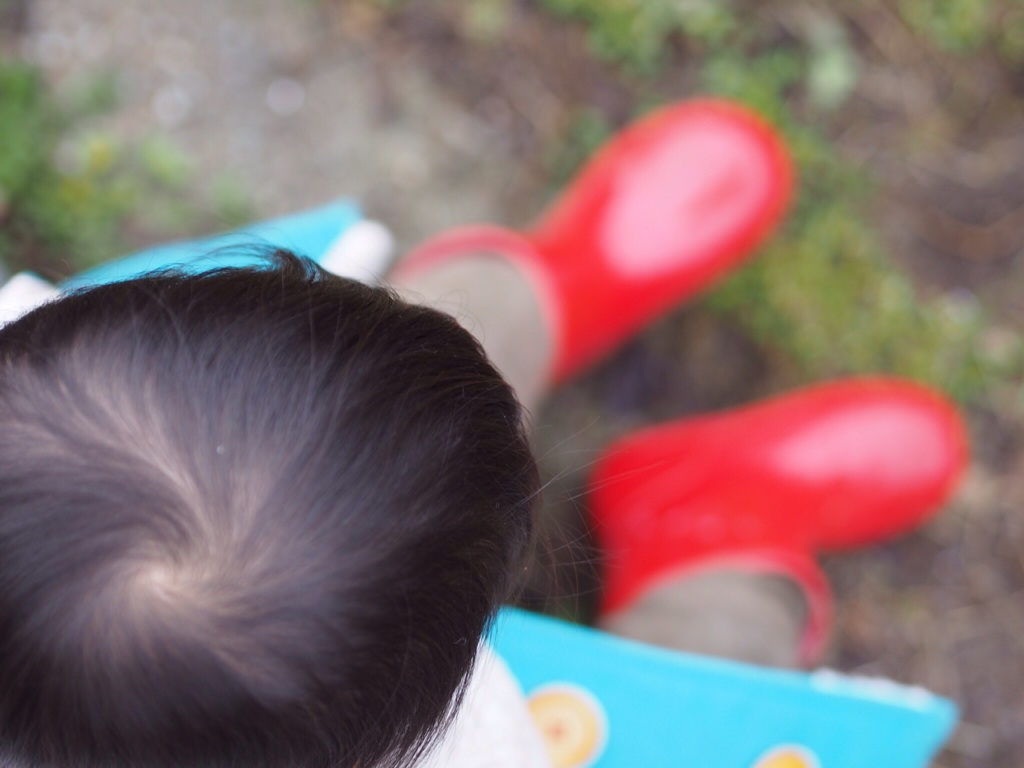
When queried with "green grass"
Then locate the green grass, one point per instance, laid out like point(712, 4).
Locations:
point(824, 291)
point(50, 215)
point(635, 32)
point(69, 192)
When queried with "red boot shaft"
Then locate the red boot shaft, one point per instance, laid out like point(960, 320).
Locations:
point(668, 205)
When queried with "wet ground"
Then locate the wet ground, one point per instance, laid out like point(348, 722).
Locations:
point(303, 102)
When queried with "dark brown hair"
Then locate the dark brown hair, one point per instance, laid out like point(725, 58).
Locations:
point(250, 518)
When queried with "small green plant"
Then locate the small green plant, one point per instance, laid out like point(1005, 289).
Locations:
point(49, 217)
point(635, 32)
point(67, 193)
point(955, 25)
point(824, 295)
point(970, 26)
point(824, 292)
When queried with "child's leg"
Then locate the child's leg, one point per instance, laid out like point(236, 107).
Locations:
point(728, 613)
point(666, 207)
point(754, 618)
point(722, 612)
point(495, 302)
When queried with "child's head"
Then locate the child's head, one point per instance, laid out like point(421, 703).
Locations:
point(252, 518)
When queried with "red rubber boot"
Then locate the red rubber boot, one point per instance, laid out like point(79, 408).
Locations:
point(664, 208)
point(763, 488)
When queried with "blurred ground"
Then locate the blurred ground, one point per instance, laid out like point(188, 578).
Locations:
point(303, 102)
point(275, 94)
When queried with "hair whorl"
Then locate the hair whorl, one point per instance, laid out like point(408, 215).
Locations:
point(249, 518)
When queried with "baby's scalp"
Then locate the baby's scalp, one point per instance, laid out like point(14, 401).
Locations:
point(240, 513)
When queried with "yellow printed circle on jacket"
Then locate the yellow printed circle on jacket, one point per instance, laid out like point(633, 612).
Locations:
point(787, 756)
point(572, 723)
